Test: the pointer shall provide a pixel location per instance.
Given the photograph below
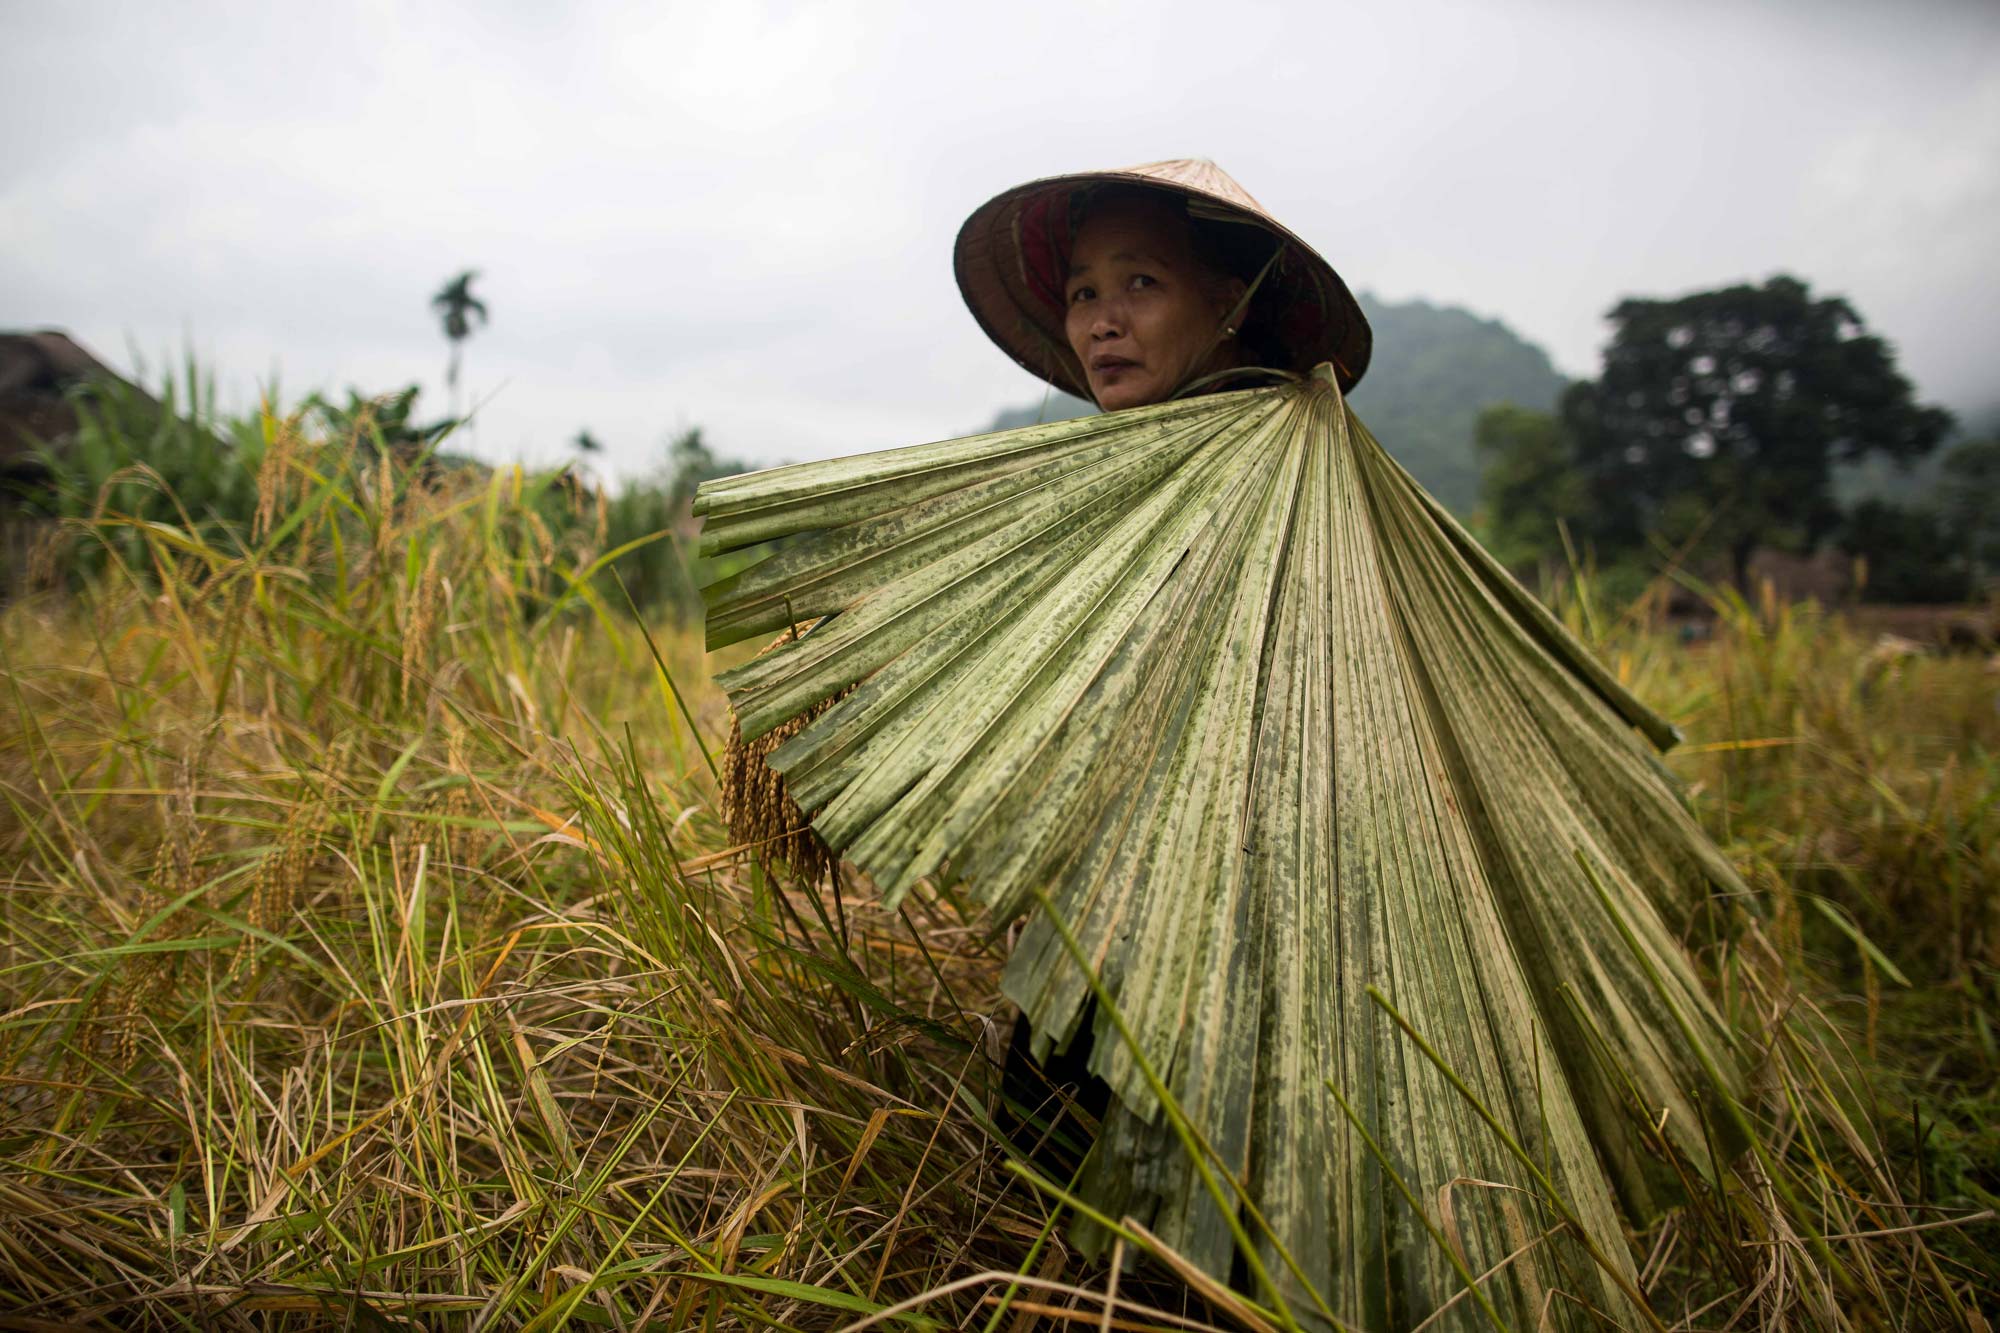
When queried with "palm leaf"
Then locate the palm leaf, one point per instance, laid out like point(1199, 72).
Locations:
point(1268, 728)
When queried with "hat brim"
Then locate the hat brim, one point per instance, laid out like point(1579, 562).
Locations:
point(1010, 254)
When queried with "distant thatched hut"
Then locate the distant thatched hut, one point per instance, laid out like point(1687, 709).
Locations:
point(39, 375)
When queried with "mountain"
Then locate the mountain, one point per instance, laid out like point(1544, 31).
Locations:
point(1058, 406)
point(1876, 477)
point(1435, 368)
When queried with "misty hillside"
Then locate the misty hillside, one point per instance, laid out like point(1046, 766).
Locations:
point(1056, 406)
point(1877, 477)
point(1435, 367)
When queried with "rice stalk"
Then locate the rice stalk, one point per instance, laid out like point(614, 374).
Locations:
point(463, 1004)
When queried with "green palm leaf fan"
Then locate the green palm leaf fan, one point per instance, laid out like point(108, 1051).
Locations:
point(1268, 730)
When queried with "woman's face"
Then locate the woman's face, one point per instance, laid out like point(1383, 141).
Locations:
point(1143, 312)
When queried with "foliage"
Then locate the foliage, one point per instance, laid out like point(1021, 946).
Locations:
point(137, 461)
point(1857, 787)
point(371, 955)
point(690, 462)
point(648, 517)
point(414, 887)
point(1969, 499)
point(1530, 490)
point(138, 464)
point(1719, 418)
point(655, 572)
point(384, 421)
point(1910, 553)
point(1940, 548)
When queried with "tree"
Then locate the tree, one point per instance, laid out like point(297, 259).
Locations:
point(1722, 414)
point(585, 443)
point(690, 462)
point(1969, 498)
point(389, 418)
point(1529, 484)
point(1910, 553)
point(457, 307)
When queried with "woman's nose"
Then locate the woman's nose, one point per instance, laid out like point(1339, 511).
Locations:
point(1107, 321)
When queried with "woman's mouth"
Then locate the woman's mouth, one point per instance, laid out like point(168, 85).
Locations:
point(1111, 365)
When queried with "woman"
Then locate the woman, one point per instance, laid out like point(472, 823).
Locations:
point(1153, 301)
point(1354, 870)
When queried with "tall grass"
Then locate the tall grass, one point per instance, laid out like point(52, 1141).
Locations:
point(138, 463)
point(371, 954)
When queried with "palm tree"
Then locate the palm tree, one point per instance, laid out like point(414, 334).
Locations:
point(456, 306)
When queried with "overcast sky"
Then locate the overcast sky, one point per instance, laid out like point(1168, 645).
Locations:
point(741, 216)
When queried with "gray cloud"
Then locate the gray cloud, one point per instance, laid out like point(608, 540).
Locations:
point(741, 216)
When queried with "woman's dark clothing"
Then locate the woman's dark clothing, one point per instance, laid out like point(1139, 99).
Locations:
point(1050, 1110)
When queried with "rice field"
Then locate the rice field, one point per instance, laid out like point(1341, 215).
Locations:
point(373, 957)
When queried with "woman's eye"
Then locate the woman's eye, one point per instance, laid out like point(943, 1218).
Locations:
point(1081, 294)
point(1140, 280)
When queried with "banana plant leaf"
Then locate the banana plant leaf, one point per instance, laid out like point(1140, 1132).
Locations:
point(1266, 728)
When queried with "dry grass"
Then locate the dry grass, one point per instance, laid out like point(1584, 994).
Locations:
point(373, 956)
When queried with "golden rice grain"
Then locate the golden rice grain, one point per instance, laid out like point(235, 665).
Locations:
point(757, 805)
point(420, 617)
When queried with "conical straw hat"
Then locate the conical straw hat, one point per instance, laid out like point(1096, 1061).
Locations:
point(1013, 252)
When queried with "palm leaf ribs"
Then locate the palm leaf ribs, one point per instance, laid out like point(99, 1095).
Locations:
point(1268, 729)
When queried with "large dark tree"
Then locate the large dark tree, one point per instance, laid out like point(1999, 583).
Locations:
point(1719, 418)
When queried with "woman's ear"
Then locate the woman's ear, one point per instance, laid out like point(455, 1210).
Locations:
point(1226, 294)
